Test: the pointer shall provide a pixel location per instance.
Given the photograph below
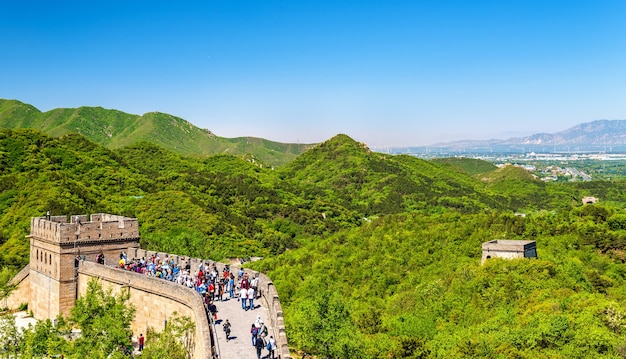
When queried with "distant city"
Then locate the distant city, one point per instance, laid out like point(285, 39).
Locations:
point(571, 152)
point(547, 163)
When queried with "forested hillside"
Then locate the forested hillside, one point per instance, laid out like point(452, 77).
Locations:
point(215, 207)
point(374, 255)
point(115, 129)
point(411, 286)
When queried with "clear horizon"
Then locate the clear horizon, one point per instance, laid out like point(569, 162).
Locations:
point(393, 73)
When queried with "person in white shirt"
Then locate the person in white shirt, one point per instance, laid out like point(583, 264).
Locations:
point(250, 298)
point(243, 295)
point(271, 346)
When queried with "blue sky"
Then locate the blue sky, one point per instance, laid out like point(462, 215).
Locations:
point(387, 73)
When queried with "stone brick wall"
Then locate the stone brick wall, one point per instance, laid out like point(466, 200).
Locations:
point(21, 293)
point(50, 283)
point(80, 227)
point(268, 292)
point(156, 301)
point(54, 244)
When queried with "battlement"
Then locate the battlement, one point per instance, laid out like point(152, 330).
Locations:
point(99, 226)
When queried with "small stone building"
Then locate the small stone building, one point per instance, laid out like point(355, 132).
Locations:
point(589, 200)
point(509, 249)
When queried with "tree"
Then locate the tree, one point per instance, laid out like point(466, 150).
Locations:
point(176, 341)
point(104, 321)
point(10, 336)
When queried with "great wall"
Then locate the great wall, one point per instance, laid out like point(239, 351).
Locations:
point(53, 280)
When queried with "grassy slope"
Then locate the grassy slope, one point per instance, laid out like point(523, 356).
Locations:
point(116, 129)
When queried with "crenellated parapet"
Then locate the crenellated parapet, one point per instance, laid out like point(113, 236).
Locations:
point(97, 227)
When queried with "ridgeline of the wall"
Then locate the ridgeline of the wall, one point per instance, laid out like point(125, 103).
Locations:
point(156, 300)
point(268, 292)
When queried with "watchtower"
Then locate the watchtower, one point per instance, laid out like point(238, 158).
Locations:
point(509, 249)
point(57, 242)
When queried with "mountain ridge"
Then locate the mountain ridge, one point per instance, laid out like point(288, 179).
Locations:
point(598, 132)
point(115, 129)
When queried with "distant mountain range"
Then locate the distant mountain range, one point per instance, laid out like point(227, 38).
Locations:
point(116, 129)
point(595, 136)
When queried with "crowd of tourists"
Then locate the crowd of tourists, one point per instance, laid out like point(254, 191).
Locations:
point(212, 285)
point(205, 279)
point(258, 330)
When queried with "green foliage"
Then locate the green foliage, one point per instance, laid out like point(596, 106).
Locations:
point(116, 129)
point(175, 341)
point(471, 166)
point(10, 337)
point(45, 339)
point(374, 256)
point(411, 286)
point(345, 172)
point(104, 321)
point(6, 274)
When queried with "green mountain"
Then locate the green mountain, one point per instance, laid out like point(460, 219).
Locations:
point(346, 172)
point(374, 256)
point(116, 129)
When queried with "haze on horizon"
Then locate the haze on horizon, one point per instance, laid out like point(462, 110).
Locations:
point(387, 73)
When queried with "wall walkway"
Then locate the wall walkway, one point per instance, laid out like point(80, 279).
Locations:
point(155, 301)
point(269, 296)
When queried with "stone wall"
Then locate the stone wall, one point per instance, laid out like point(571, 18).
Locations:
point(268, 292)
point(99, 226)
point(50, 283)
point(156, 301)
point(21, 293)
point(54, 244)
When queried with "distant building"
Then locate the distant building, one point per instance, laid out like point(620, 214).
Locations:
point(509, 249)
point(589, 200)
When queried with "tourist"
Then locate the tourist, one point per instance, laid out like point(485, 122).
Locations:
point(262, 330)
point(258, 322)
point(250, 298)
point(259, 345)
point(141, 342)
point(254, 284)
point(243, 295)
point(254, 331)
point(245, 283)
point(271, 346)
point(231, 286)
point(227, 329)
point(213, 310)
